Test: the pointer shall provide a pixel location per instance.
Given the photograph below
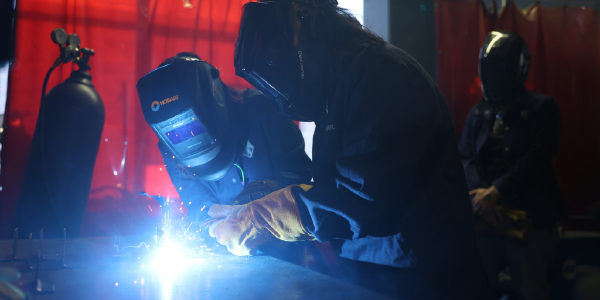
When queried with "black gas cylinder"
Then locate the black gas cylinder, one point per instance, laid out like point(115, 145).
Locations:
point(61, 161)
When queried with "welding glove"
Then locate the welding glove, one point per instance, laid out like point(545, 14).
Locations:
point(245, 227)
point(256, 190)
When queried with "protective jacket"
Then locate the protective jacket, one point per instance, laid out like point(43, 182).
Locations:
point(272, 148)
point(389, 189)
point(531, 129)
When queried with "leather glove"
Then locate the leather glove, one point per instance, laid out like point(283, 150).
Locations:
point(245, 227)
point(255, 190)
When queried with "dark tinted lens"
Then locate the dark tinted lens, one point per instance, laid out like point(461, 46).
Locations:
point(185, 132)
point(498, 77)
point(265, 55)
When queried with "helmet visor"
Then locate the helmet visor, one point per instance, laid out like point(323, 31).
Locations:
point(266, 57)
point(498, 77)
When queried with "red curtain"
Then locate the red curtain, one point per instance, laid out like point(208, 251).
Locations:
point(130, 37)
point(565, 48)
point(460, 26)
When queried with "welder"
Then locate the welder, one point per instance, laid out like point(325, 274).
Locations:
point(389, 190)
point(219, 144)
point(508, 143)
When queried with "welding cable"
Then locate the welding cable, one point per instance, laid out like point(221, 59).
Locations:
point(243, 177)
point(41, 122)
point(54, 65)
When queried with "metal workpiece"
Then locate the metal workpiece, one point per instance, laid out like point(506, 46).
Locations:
point(127, 268)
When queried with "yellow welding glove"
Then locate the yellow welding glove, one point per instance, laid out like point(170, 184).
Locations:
point(256, 190)
point(242, 228)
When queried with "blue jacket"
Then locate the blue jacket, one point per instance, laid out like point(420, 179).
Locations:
point(531, 138)
point(389, 188)
point(274, 149)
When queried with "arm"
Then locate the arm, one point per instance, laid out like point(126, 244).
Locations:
point(394, 118)
point(290, 163)
point(398, 142)
point(543, 144)
point(467, 155)
point(287, 161)
point(193, 190)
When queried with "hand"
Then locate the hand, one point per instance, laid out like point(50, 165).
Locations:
point(223, 213)
point(242, 228)
point(493, 216)
point(235, 229)
point(255, 190)
point(484, 199)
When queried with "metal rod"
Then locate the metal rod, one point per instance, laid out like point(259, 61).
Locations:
point(64, 244)
point(15, 242)
point(42, 241)
point(37, 266)
point(30, 254)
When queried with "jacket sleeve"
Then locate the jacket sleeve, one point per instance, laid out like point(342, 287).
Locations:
point(544, 139)
point(190, 189)
point(467, 155)
point(392, 115)
point(287, 156)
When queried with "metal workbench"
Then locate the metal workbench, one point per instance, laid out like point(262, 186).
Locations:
point(98, 271)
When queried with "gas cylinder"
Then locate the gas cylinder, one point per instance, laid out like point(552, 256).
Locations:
point(61, 161)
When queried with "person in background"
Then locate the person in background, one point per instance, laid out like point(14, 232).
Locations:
point(389, 190)
point(270, 155)
point(508, 143)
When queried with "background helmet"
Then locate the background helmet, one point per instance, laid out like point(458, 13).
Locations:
point(503, 65)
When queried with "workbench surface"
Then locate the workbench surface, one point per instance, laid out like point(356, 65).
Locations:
point(101, 272)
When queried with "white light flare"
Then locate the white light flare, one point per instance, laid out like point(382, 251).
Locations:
point(169, 263)
point(172, 257)
point(169, 259)
point(356, 7)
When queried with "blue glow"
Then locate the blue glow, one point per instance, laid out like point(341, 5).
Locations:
point(185, 132)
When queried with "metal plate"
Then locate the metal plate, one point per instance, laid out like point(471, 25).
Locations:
point(130, 274)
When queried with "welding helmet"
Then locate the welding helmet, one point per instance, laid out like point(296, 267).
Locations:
point(296, 76)
point(503, 65)
point(189, 109)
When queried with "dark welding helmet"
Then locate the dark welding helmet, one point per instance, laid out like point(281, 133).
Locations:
point(189, 109)
point(503, 65)
point(265, 55)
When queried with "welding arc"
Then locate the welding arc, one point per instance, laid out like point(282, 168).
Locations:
point(135, 247)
